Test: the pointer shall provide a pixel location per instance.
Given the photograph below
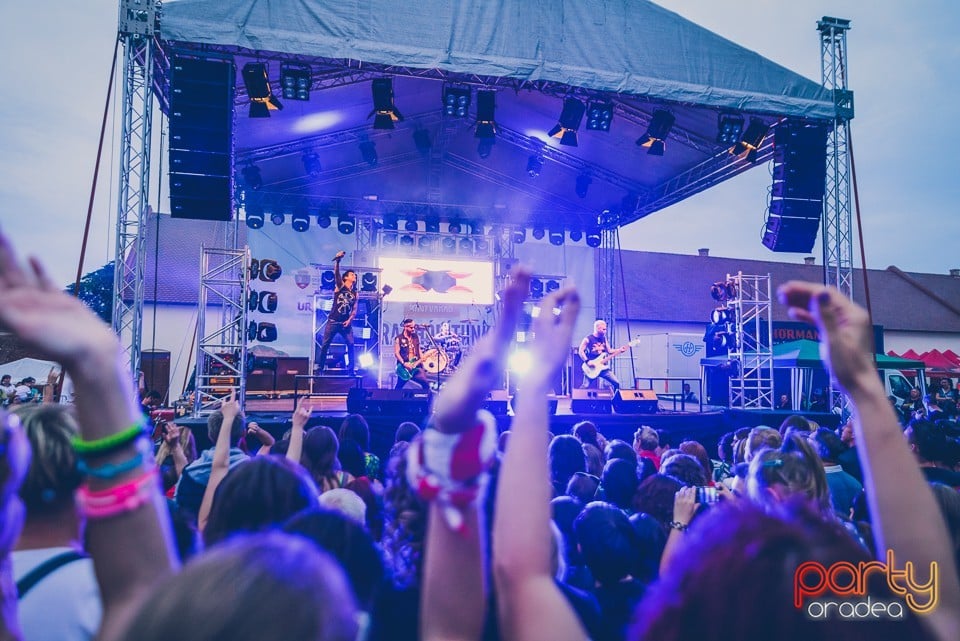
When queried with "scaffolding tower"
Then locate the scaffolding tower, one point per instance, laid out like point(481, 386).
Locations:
point(837, 210)
point(221, 346)
point(137, 25)
point(752, 388)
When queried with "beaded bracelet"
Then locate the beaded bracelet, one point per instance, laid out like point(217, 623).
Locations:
point(110, 443)
point(119, 499)
point(109, 471)
point(678, 526)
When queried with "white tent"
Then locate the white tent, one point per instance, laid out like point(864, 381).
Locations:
point(24, 367)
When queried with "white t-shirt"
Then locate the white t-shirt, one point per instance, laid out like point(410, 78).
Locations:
point(64, 605)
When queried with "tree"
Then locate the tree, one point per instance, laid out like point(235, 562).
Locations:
point(96, 291)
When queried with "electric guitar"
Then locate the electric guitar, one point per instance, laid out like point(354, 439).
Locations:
point(404, 374)
point(596, 366)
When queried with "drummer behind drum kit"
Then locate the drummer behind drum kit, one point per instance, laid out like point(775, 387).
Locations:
point(445, 357)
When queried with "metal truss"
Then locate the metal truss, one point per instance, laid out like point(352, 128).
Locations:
point(136, 28)
point(837, 210)
point(752, 388)
point(607, 280)
point(221, 346)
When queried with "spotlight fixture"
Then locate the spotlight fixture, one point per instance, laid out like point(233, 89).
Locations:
point(390, 239)
point(411, 224)
point(456, 101)
point(266, 269)
point(448, 245)
point(454, 227)
point(368, 151)
point(482, 245)
point(251, 177)
point(368, 282)
point(656, 136)
point(425, 243)
point(300, 220)
point(486, 115)
point(262, 100)
point(599, 115)
point(729, 129)
point(538, 232)
point(552, 286)
point(386, 112)
point(576, 235)
point(421, 139)
point(323, 220)
point(476, 227)
point(534, 165)
point(556, 236)
point(536, 288)
point(583, 185)
point(346, 224)
point(466, 246)
point(391, 222)
point(311, 163)
point(752, 139)
point(406, 240)
point(327, 280)
point(518, 235)
point(266, 302)
point(276, 218)
point(593, 237)
point(432, 225)
point(295, 81)
point(254, 216)
point(570, 118)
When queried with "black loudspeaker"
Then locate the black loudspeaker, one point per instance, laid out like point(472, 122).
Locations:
point(635, 401)
point(408, 404)
point(201, 138)
point(496, 402)
point(591, 401)
point(799, 178)
point(552, 402)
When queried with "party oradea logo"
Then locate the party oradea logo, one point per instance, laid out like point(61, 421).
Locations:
point(840, 590)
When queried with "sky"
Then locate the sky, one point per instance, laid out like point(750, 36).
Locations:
point(903, 68)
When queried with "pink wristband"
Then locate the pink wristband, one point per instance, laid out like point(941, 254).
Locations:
point(119, 499)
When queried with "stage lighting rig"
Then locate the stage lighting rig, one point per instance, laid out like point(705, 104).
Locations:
point(486, 116)
point(655, 137)
point(599, 116)
point(752, 139)
point(383, 106)
point(262, 100)
point(295, 81)
point(570, 119)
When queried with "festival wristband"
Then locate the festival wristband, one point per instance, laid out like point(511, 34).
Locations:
point(119, 499)
point(113, 470)
point(110, 443)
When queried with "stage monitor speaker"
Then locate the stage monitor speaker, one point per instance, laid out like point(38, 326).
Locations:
point(635, 401)
point(552, 402)
point(496, 402)
point(201, 138)
point(407, 404)
point(784, 234)
point(591, 401)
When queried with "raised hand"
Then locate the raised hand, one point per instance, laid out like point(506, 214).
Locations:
point(302, 414)
point(846, 338)
point(552, 331)
point(456, 406)
point(230, 409)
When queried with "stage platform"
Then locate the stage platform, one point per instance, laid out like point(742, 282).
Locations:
point(706, 426)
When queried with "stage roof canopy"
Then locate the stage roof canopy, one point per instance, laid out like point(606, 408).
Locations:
point(633, 53)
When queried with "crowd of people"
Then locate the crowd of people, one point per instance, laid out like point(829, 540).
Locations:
point(116, 529)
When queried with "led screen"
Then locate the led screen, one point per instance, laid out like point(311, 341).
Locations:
point(425, 280)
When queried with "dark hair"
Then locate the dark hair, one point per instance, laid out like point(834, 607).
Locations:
point(685, 469)
point(620, 483)
point(406, 431)
point(582, 486)
point(363, 487)
point(52, 477)
point(794, 422)
point(618, 448)
point(215, 420)
point(699, 452)
point(607, 540)
point(405, 521)
point(725, 448)
point(733, 578)
point(349, 544)
point(655, 496)
point(351, 458)
point(566, 458)
point(319, 457)
point(826, 444)
point(586, 432)
point(652, 541)
point(930, 441)
point(355, 428)
point(256, 495)
point(268, 586)
point(405, 321)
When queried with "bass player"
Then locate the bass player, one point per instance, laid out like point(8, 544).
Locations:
point(596, 355)
point(406, 349)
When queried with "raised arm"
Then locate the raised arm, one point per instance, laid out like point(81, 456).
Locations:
point(299, 420)
point(453, 600)
point(530, 604)
point(132, 548)
point(336, 268)
point(905, 515)
point(230, 409)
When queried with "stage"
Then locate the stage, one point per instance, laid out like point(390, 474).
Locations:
point(706, 424)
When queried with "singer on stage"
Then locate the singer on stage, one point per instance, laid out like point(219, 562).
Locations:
point(340, 319)
point(406, 348)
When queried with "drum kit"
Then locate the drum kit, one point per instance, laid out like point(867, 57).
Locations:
point(444, 358)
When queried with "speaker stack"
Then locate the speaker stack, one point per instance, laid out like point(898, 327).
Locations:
point(409, 404)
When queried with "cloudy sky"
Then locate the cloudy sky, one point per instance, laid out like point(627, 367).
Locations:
point(904, 60)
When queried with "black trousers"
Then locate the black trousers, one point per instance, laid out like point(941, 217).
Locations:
point(420, 378)
point(331, 329)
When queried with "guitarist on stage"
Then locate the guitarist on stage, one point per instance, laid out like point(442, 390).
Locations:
point(406, 348)
point(593, 347)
